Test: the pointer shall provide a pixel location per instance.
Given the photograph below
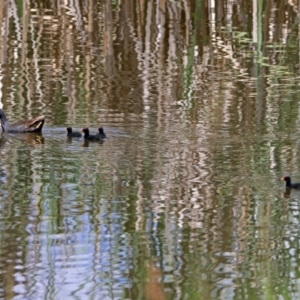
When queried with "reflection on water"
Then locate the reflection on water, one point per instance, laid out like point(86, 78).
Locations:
point(32, 139)
point(183, 200)
point(287, 193)
point(3, 139)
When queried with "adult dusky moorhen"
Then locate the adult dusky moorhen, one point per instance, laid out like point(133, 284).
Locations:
point(31, 125)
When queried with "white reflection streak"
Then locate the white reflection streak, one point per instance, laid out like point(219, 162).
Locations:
point(254, 21)
point(181, 216)
point(160, 23)
point(227, 48)
point(285, 33)
point(139, 206)
point(3, 40)
point(272, 159)
point(77, 14)
point(172, 38)
point(227, 104)
point(212, 18)
point(35, 49)
point(147, 59)
point(187, 12)
point(229, 15)
point(74, 11)
point(14, 13)
point(36, 186)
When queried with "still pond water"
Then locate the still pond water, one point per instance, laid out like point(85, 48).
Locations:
point(200, 102)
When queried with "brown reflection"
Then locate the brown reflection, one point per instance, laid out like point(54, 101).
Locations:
point(32, 139)
point(287, 193)
point(86, 143)
point(3, 138)
point(154, 287)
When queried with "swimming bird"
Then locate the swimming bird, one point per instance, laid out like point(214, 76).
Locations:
point(31, 125)
point(289, 183)
point(72, 133)
point(101, 133)
point(90, 137)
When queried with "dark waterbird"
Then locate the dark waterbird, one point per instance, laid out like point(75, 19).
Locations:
point(90, 137)
point(101, 133)
point(31, 125)
point(72, 133)
point(289, 184)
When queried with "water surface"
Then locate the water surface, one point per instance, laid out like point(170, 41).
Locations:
point(200, 104)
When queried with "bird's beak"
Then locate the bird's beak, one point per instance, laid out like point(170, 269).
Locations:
point(282, 178)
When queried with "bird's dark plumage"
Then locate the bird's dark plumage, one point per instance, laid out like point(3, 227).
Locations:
point(289, 184)
point(90, 137)
point(72, 133)
point(101, 134)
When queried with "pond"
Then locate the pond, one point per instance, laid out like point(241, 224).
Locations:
point(200, 104)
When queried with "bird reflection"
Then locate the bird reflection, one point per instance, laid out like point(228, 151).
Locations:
point(33, 139)
point(69, 140)
point(86, 143)
point(3, 139)
point(287, 193)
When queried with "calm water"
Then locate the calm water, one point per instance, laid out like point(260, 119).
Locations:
point(200, 103)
